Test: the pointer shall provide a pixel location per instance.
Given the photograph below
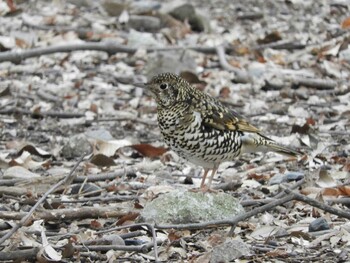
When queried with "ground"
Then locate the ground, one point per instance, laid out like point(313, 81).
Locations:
point(81, 154)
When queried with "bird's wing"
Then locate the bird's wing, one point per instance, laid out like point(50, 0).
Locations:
point(220, 117)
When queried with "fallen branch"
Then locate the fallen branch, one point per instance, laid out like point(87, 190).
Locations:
point(68, 213)
point(104, 248)
point(314, 203)
point(99, 199)
point(61, 115)
point(19, 255)
point(106, 176)
point(28, 215)
point(107, 46)
point(320, 84)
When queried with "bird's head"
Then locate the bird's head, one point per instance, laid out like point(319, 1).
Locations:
point(167, 89)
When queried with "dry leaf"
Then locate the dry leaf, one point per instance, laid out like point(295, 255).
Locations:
point(128, 217)
point(102, 160)
point(346, 23)
point(148, 150)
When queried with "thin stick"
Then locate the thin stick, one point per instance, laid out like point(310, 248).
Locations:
point(314, 203)
point(40, 201)
point(61, 115)
point(107, 46)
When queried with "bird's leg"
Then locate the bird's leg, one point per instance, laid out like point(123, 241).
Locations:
point(213, 172)
point(203, 178)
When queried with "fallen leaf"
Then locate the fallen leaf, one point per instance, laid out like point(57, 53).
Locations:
point(34, 150)
point(346, 23)
point(148, 150)
point(270, 38)
point(102, 160)
point(128, 217)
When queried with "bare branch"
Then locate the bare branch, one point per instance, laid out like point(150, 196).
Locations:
point(317, 204)
point(107, 46)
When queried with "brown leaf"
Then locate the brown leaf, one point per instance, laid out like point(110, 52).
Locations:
point(95, 224)
point(93, 108)
point(137, 205)
point(35, 151)
point(173, 236)
point(269, 38)
point(345, 190)
point(301, 129)
point(148, 150)
point(225, 92)
point(346, 23)
point(102, 160)
point(331, 192)
point(128, 217)
point(310, 121)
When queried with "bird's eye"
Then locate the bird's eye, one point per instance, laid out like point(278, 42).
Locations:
point(163, 86)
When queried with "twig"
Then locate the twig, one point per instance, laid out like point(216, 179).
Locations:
point(19, 254)
point(107, 176)
point(320, 84)
point(39, 202)
point(116, 198)
point(294, 186)
point(141, 248)
point(107, 46)
point(68, 213)
point(62, 115)
point(241, 75)
point(150, 228)
point(343, 201)
point(314, 203)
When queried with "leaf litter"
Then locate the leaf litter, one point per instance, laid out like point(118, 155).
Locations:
point(296, 92)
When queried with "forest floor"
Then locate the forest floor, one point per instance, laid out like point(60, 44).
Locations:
point(81, 154)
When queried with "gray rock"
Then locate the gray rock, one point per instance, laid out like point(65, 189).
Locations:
point(181, 207)
point(318, 225)
point(278, 179)
point(229, 251)
point(294, 176)
point(187, 12)
point(76, 146)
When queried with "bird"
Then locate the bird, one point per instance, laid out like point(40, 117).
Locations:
point(202, 130)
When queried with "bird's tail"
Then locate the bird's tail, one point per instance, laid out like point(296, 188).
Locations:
point(256, 142)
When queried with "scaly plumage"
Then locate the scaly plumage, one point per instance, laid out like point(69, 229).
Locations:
point(201, 129)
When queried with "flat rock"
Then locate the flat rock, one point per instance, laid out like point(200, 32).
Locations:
point(182, 207)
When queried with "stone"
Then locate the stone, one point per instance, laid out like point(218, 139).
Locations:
point(183, 207)
point(318, 224)
point(76, 146)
